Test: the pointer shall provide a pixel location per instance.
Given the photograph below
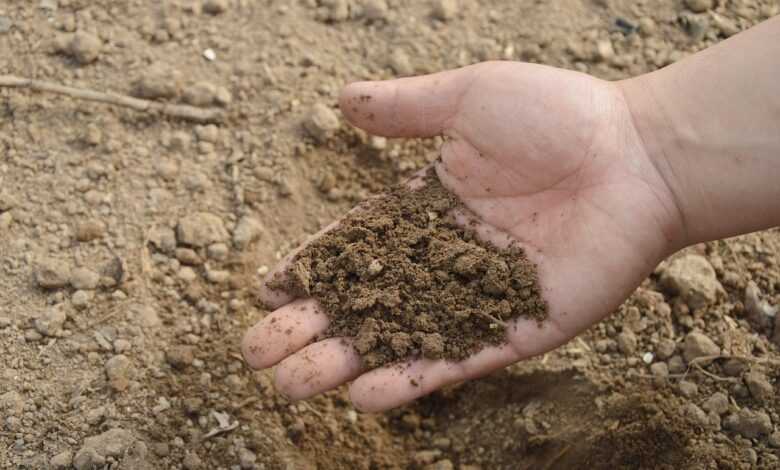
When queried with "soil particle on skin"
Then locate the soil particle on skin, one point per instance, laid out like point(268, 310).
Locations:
point(403, 279)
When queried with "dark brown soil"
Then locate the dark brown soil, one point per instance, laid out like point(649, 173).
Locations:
point(405, 280)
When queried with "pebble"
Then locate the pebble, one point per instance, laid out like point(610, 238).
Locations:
point(734, 367)
point(163, 238)
point(145, 316)
point(246, 459)
point(659, 369)
point(5, 322)
point(7, 201)
point(676, 364)
point(52, 274)
point(774, 439)
point(698, 345)
point(5, 24)
point(759, 387)
point(85, 47)
point(61, 461)
point(665, 349)
point(217, 276)
point(93, 454)
point(758, 309)
point(157, 82)
point(445, 10)
point(84, 279)
point(247, 231)
point(687, 389)
point(187, 274)
point(215, 7)
point(698, 6)
point(647, 26)
point(179, 357)
point(693, 278)
point(121, 345)
point(218, 251)
point(321, 122)
point(201, 229)
point(119, 371)
point(50, 322)
point(375, 10)
point(445, 464)
point(188, 256)
point(627, 342)
point(604, 50)
point(726, 26)
point(200, 94)
point(400, 63)
point(207, 133)
point(748, 423)
point(697, 415)
point(191, 461)
point(209, 54)
point(718, 403)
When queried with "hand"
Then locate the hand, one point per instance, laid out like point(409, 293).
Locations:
point(548, 157)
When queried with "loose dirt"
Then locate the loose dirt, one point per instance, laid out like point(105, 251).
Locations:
point(402, 278)
point(119, 336)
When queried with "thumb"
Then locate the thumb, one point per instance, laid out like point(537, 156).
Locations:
point(407, 107)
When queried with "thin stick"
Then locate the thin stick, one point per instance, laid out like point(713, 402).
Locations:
point(181, 111)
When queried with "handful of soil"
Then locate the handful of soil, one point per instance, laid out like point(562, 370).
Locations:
point(402, 278)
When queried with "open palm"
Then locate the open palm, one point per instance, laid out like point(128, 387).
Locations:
point(547, 157)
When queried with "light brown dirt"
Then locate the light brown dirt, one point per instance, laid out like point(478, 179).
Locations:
point(144, 354)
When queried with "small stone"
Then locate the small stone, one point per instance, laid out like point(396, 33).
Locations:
point(400, 63)
point(774, 439)
point(698, 6)
point(247, 230)
point(445, 464)
point(201, 229)
point(697, 415)
point(180, 357)
point(191, 461)
point(119, 371)
point(6, 219)
point(207, 133)
point(321, 122)
point(647, 26)
point(187, 274)
point(163, 238)
point(210, 55)
point(375, 10)
point(215, 7)
point(50, 322)
point(89, 230)
point(200, 94)
point(5, 24)
point(93, 454)
point(246, 458)
point(734, 367)
point(188, 256)
point(157, 82)
point(627, 342)
point(665, 349)
point(718, 403)
point(726, 26)
point(7, 201)
point(218, 251)
point(222, 96)
point(444, 10)
point(758, 309)
point(5, 322)
point(693, 279)
point(145, 316)
point(61, 461)
point(604, 50)
point(121, 346)
point(32, 336)
point(52, 274)
point(687, 389)
point(659, 369)
point(749, 424)
point(84, 279)
point(217, 276)
point(759, 387)
point(85, 47)
point(698, 345)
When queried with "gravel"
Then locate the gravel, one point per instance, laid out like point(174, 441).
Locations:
point(50, 322)
point(698, 345)
point(85, 47)
point(693, 278)
point(52, 274)
point(201, 229)
point(321, 122)
point(748, 423)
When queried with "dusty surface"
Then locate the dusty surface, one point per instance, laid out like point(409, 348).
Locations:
point(405, 280)
point(130, 246)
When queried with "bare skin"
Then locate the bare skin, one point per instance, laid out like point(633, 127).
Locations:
point(598, 181)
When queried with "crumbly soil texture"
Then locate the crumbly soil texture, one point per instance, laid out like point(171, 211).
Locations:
point(401, 277)
point(132, 246)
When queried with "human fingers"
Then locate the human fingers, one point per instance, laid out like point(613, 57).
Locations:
point(392, 386)
point(407, 107)
point(318, 368)
point(283, 332)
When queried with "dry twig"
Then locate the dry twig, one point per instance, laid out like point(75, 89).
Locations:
point(181, 111)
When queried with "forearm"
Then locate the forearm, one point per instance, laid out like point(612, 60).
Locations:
point(711, 124)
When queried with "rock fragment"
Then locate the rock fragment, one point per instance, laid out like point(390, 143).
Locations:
point(157, 82)
point(215, 7)
point(693, 279)
point(93, 454)
point(180, 357)
point(444, 10)
point(84, 279)
point(119, 371)
point(247, 231)
point(718, 403)
point(748, 423)
point(321, 122)
point(759, 387)
point(52, 274)
point(698, 6)
point(89, 230)
point(50, 322)
point(85, 47)
point(61, 461)
point(201, 229)
point(698, 345)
